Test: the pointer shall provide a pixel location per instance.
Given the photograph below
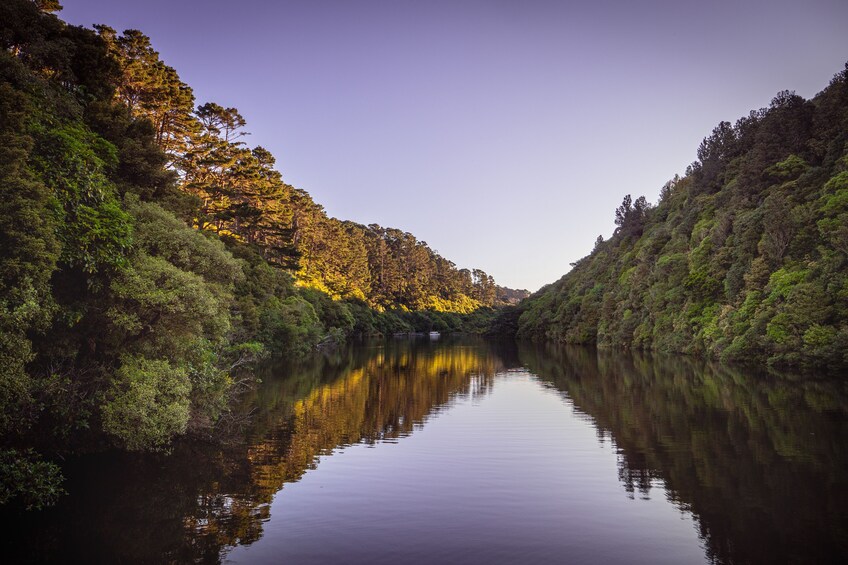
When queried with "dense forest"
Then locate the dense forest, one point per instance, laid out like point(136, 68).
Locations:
point(147, 251)
point(744, 258)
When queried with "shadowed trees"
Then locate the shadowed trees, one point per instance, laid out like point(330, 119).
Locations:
point(743, 258)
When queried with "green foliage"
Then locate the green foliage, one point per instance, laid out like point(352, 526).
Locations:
point(744, 258)
point(158, 304)
point(29, 249)
point(236, 193)
point(333, 314)
point(161, 234)
point(790, 168)
point(25, 477)
point(289, 326)
point(833, 226)
point(73, 163)
point(146, 252)
point(148, 403)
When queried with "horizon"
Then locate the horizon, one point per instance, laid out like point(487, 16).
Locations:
point(498, 134)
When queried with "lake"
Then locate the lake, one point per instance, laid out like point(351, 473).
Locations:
point(462, 450)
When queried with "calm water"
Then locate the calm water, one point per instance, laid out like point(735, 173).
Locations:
point(470, 451)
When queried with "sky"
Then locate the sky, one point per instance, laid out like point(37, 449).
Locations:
point(504, 134)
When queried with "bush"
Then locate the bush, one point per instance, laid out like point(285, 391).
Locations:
point(148, 403)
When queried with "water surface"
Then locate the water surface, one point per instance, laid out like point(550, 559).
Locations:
point(471, 451)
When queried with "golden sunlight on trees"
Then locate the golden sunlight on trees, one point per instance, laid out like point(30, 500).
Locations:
point(147, 250)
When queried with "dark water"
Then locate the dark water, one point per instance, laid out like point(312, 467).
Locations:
point(475, 452)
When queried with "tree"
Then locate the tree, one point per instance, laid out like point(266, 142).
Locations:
point(48, 6)
point(150, 89)
point(630, 216)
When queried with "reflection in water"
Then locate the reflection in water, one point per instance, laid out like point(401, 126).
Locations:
point(759, 461)
point(202, 498)
point(379, 396)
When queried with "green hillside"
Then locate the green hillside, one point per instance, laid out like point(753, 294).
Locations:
point(146, 251)
point(744, 258)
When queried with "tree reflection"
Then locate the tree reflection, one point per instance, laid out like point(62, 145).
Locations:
point(203, 498)
point(383, 396)
point(760, 459)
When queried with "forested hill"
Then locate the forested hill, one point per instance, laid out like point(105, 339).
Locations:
point(746, 257)
point(146, 250)
point(229, 188)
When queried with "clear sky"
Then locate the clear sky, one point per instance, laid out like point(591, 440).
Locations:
point(504, 134)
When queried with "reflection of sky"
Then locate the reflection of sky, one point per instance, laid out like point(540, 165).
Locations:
point(502, 133)
point(515, 475)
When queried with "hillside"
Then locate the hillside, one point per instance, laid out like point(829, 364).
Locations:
point(745, 257)
point(146, 252)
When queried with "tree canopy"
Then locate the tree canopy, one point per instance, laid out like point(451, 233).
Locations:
point(146, 250)
point(744, 258)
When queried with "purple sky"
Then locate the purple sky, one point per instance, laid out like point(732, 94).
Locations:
point(502, 133)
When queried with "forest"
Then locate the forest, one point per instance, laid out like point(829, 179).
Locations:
point(745, 258)
point(147, 252)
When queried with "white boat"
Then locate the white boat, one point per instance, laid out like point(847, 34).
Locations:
point(435, 335)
